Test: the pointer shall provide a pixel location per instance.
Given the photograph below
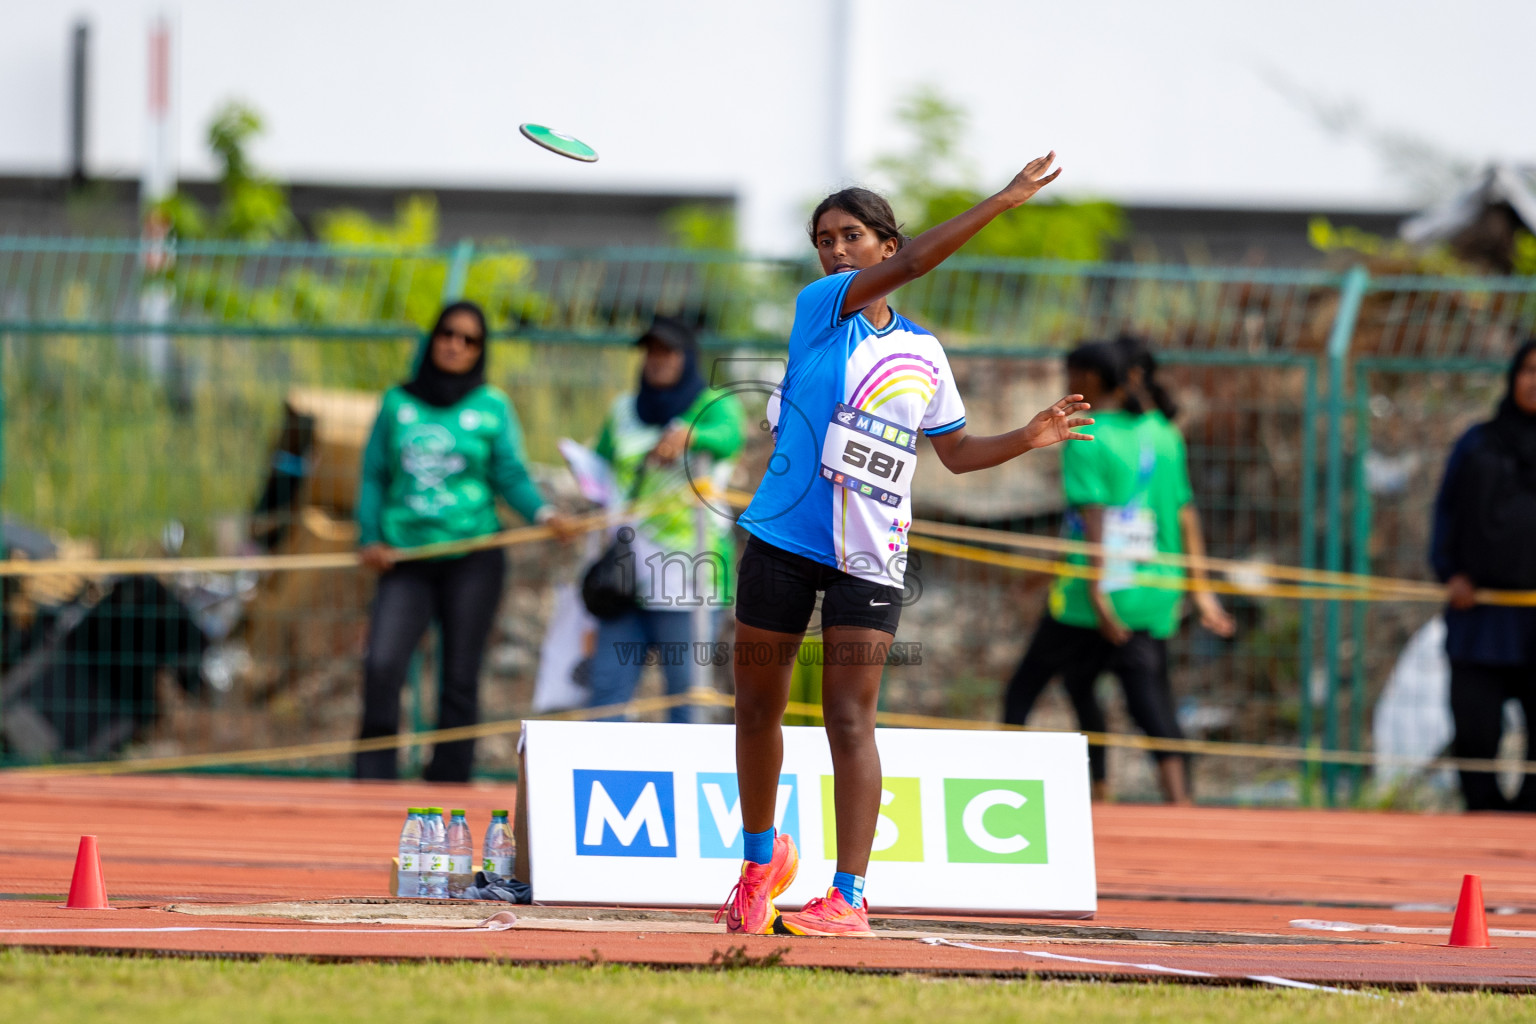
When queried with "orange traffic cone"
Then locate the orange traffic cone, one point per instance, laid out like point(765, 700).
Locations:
point(1470, 927)
point(87, 891)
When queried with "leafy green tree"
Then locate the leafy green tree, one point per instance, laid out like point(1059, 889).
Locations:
point(934, 164)
point(1525, 253)
point(1395, 256)
point(934, 180)
point(381, 272)
point(252, 208)
point(701, 227)
point(405, 286)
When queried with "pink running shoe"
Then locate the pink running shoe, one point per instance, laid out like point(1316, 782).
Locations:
point(749, 909)
point(830, 915)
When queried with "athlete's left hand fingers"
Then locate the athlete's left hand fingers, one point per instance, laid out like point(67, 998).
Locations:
point(1055, 410)
point(1079, 437)
point(1083, 422)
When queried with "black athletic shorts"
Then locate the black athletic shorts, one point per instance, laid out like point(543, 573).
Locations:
point(776, 590)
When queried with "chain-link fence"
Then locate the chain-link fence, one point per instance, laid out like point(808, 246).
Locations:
point(215, 399)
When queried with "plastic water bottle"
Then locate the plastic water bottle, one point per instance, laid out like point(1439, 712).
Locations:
point(500, 847)
point(461, 855)
point(434, 853)
point(408, 878)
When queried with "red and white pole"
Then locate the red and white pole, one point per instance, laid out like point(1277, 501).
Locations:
point(157, 184)
point(158, 181)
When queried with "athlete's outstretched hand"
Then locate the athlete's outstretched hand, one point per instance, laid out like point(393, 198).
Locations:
point(965, 453)
point(1030, 180)
point(1059, 423)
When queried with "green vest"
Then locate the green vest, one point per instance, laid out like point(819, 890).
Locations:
point(1136, 470)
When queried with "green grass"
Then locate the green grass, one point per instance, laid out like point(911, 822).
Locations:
point(94, 447)
point(42, 989)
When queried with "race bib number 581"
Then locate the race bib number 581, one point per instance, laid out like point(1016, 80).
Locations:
point(870, 456)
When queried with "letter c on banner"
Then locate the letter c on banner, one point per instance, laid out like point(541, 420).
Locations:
point(977, 832)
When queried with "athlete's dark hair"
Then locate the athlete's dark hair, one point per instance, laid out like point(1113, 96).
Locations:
point(870, 208)
point(1138, 355)
point(1103, 358)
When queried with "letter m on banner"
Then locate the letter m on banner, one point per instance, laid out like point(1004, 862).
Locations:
point(624, 814)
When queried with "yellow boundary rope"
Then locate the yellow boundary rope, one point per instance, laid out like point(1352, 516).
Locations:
point(1325, 585)
point(926, 535)
point(1291, 591)
point(714, 699)
point(264, 563)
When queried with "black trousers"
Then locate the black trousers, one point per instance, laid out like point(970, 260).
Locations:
point(461, 595)
point(1478, 693)
point(1079, 656)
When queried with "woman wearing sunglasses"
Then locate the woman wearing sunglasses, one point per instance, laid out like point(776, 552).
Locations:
point(445, 445)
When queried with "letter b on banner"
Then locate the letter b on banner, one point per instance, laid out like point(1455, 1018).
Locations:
point(624, 814)
point(995, 821)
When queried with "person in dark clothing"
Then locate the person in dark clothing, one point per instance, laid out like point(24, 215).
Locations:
point(1485, 537)
point(445, 445)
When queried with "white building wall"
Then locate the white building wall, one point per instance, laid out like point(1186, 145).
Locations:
point(1143, 102)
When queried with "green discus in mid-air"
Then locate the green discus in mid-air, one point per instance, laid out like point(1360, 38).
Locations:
point(557, 142)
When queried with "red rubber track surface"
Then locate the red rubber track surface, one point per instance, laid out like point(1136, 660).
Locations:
point(231, 840)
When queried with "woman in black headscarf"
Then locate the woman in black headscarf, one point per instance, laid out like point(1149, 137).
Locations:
point(1485, 537)
point(445, 446)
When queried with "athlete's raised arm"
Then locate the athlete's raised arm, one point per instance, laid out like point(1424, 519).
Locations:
point(940, 242)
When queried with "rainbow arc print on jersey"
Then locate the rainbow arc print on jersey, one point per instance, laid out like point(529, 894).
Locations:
point(900, 373)
point(898, 384)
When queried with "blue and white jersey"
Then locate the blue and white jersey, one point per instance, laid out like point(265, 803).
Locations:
point(845, 420)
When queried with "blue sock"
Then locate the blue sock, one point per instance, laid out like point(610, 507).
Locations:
point(757, 847)
point(851, 886)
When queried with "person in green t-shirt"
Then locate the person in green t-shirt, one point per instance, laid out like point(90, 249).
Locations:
point(665, 441)
point(444, 447)
point(1129, 492)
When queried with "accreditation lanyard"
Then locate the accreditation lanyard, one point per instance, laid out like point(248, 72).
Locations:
point(1130, 530)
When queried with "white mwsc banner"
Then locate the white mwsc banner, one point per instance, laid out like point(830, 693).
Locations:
point(633, 813)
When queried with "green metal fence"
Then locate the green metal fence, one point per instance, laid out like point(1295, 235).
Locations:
point(143, 389)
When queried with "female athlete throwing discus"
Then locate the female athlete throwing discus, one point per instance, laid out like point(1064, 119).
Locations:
point(832, 515)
